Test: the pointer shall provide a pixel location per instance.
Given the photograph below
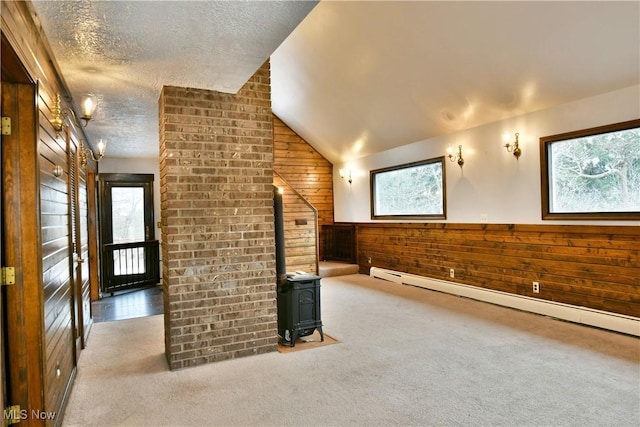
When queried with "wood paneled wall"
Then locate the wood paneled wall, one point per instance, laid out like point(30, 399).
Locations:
point(306, 170)
point(300, 225)
point(62, 286)
point(56, 265)
point(591, 266)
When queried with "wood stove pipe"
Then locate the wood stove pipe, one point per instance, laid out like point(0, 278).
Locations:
point(278, 213)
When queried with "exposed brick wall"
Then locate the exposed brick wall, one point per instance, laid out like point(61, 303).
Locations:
point(305, 169)
point(218, 246)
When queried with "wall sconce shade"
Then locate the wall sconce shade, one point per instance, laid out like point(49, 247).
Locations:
point(88, 104)
point(514, 148)
point(342, 175)
point(102, 146)
point(457, 157)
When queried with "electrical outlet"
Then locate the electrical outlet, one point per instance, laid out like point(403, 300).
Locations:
point(484, 218)
point(369, 260)
point(536, 287)
point(452, 273)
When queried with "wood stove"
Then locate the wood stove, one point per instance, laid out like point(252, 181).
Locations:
point(299, 308)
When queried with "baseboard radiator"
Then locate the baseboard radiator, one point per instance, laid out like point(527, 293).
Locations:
point(587, 316)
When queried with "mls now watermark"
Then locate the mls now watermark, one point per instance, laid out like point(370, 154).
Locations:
point(15, 414)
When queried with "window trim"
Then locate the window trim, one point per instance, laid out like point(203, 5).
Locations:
point(372, 183)
point(545, 144)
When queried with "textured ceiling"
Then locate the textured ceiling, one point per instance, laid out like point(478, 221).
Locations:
point(125, 51)
point(353, 78)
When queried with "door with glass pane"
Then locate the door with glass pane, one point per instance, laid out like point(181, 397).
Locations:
point(129, 251)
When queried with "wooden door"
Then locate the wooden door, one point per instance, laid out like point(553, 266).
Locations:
point(92, 235)
point(23, 301)
point(3, 384)
point(75, 255)
point(83, 284)
point(80, 245)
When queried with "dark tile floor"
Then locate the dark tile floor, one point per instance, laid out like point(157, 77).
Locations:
point(129, 304)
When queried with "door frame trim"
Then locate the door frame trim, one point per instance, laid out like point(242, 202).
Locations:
point(107, 181)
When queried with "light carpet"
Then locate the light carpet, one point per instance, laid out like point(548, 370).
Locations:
point(407, 356)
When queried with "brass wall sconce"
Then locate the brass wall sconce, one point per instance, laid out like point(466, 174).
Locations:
point(342, 175)
point(102, 146)
point(88, 105)
point(514, 148)
point(457, 157)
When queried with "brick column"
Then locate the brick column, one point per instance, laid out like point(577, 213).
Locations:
point(218, 247)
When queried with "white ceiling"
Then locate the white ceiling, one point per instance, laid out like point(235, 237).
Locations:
point(353, 78)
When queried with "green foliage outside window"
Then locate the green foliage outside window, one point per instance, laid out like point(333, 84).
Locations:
point(596, 172)
point(410, 190)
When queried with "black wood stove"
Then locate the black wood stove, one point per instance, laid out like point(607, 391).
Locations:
point(299, 308)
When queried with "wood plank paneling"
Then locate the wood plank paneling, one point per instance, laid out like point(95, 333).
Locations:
point(57, 253)
point(591, 266)
point(306, 170)
point(52, 328)
point(300, 239)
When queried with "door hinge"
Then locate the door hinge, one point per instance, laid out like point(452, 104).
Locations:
point(12, 415)
point(8, 276)
point(6, 125)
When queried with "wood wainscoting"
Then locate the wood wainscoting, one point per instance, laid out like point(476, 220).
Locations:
point(339, 242)
point(591, 266)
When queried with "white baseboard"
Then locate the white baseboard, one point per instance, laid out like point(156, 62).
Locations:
point(587, 316)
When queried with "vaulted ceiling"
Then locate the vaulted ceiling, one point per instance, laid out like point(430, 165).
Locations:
point(354, 77)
